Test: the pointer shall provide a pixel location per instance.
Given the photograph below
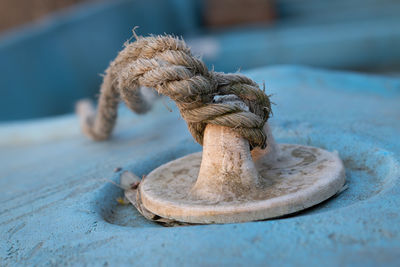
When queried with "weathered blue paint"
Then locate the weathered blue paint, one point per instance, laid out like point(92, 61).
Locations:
point(47, 66)
point(361, 45)
point(57, 207)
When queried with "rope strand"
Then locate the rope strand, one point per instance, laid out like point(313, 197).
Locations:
point(166, 64)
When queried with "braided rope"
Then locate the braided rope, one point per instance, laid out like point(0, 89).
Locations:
point(166, 64)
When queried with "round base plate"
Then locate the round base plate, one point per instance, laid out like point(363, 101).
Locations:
point(301, 177)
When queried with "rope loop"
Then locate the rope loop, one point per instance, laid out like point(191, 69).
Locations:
point(166, 64)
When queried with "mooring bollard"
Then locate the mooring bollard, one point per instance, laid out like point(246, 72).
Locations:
point(242, 174)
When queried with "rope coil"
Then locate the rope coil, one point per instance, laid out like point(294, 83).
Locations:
point(166, 64)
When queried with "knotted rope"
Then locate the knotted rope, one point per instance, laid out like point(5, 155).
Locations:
point(166, 64)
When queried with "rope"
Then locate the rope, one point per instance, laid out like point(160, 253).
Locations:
point(166, 64)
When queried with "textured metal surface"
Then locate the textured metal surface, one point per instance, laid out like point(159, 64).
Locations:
point(302, 177)
point(56, 206)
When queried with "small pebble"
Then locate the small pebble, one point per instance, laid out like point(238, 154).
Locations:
point(128, 179)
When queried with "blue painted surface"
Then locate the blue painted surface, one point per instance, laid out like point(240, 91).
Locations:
point(358, 45)
point(57, 207)
point(47, 66)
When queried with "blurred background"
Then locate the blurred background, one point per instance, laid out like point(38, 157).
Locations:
point(52, 52)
